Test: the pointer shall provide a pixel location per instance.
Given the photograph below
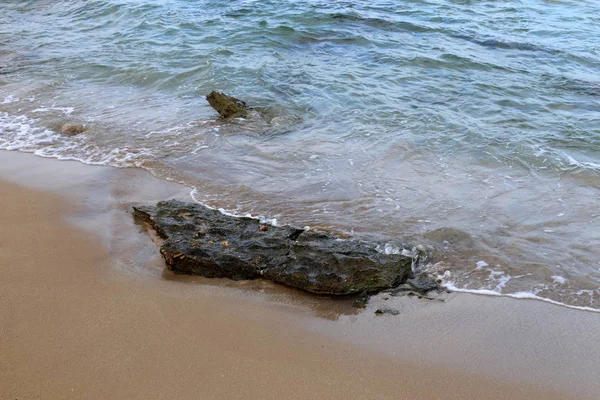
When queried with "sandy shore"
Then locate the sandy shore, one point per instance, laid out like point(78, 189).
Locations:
point(87, 312)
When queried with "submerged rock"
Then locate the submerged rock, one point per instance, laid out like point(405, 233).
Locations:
point(72, 129)
point(203, 241)
point(450, 237)
point(227, 106)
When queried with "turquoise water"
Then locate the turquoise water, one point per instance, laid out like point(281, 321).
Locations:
point(471, 125)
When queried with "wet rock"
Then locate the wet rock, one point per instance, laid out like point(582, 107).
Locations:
point(227, 106)
point(389, 311)
point(72, 129)
point(423, 282)
point(361, 300)
point(203, 241)
point(419, 285)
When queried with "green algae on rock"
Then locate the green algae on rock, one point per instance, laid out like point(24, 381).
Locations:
point(227, 106)
point(203, 241)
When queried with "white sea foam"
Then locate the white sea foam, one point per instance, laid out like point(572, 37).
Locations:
point(503, 280)
point(582, 164)
point(20, 132)
point(270, 221)
point(10, 99)
point(448, 284)
point(63, 110)
point(262, 219)
point(389, 248)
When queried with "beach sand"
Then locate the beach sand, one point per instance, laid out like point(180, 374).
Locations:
point(88, 312)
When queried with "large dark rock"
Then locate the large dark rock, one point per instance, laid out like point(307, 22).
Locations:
point(203, 241)
point(227, 106)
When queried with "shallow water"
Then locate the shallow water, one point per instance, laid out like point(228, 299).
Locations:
point(473, 126)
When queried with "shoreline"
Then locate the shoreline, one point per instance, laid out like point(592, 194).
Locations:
point(117, 297)
point(184, 192)
point(521, 296)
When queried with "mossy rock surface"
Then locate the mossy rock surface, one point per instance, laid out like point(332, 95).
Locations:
point(227, 106)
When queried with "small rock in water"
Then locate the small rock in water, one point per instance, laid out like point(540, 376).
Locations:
point(227, 106)
point(72, 129)
point(390, 311)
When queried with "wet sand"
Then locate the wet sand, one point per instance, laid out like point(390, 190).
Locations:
point(87, 311)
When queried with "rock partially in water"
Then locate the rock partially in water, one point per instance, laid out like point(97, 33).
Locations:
point(423, 282)
point(70, 129)
point(227, 106)
point(203, 241)
point(421, 285)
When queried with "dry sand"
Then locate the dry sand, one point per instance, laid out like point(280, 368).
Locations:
point(86, 312)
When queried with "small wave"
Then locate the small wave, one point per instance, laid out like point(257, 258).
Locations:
point(451, 286)
point(581, 86)
point(581, 164)
point(382, 23)
point(22, 133)
point(62, 110)
point(10, 99)
point(504, 44)
point(261, 218)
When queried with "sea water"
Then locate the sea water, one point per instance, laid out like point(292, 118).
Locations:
point(469, 126)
